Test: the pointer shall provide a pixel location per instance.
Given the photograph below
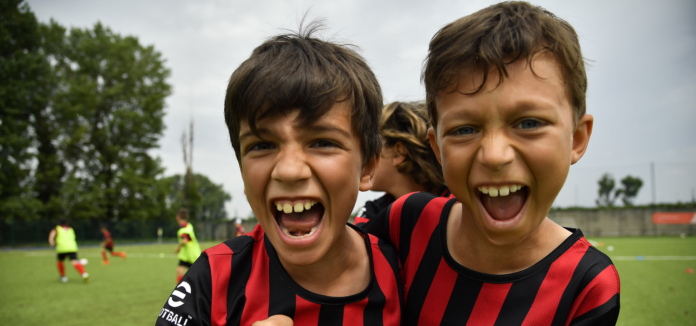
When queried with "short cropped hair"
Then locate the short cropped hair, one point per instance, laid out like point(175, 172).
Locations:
point(298, 71)
point(408, 123)
point(182, 213)
point(497, 36)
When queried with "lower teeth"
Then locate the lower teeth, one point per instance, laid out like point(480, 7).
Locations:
point(314, 229)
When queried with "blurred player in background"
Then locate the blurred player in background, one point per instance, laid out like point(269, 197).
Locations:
point(240, 228)
point(63, 238)
point(188, 247)
point(108, 244)
point(408, 163)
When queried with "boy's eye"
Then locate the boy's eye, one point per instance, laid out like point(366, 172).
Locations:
point(324, 143)
point(530, 124)
point(463, 131)
point(261, 146)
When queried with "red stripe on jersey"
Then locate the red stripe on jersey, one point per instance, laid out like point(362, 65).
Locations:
point(359, 220)
point(604, 286)
point(438, 295)
point(257, 288)
point(306, 313)
point(488, 304)
point(395, 220)
point(353, 313)
point(387, 283)
point(423, 230)
point(548, 297)
point(220, 259)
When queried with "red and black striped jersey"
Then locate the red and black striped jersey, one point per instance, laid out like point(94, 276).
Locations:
point(241, 281)
point(108, 241)
point(372, 208)
point(575, 284)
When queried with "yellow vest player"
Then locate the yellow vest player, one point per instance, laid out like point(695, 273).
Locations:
point(63, 238)
point(188, 247)
point(108, 244)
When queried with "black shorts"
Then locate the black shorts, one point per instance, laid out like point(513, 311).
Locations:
point(72, 255)
point(109, 248)
point(185, 264)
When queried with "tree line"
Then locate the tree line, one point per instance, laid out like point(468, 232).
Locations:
point(80, 111)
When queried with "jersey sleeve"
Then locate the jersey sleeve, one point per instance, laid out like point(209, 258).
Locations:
point(190, 302)
point(598, 303)
point(379, 225)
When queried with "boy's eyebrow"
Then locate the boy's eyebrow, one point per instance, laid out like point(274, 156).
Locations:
point(250, 133)
point(327, 128)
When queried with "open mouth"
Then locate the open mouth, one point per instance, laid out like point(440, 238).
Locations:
point(503, 202)
point(298, 219)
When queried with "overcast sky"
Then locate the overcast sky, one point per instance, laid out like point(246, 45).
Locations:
point(642, 74)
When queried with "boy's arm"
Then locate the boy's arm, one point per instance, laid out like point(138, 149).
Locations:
point(52, 237)
point(185, 239)
point(190, 302)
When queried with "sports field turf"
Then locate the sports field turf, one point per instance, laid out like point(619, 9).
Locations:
point(656, 290)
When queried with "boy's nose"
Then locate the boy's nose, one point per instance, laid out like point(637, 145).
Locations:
point(291, 167)
point(495, 151)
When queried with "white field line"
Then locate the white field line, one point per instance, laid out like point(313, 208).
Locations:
point(91, 255)
point(652, 257)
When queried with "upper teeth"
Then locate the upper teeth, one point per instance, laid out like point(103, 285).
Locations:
point(297, 207)
point(502, 190)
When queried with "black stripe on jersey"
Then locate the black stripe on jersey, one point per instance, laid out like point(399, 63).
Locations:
point(604, 315)
point(240, 272)
point(392, 257)
point(331, 315)
point(282, 299)
point(374, 310)
point(425, 274)
point(520, 298)
point(462, 301)
point(588, 268)
point(410, 212)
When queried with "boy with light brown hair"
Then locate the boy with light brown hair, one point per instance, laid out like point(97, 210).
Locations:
point(505, 90)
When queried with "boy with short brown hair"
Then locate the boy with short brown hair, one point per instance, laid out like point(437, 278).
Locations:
point(303, 119)
point(505, 89)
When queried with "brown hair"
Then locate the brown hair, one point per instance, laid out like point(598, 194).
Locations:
point(497, 36)
point(408, 123)
point(182, 213)
point(297, 71)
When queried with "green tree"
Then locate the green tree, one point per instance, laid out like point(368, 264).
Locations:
point(631, 186)
point(23, 85)
point(110, 106)
point(212, 197)
point(606, 188)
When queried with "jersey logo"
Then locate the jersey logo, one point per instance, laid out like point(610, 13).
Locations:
point(179, 294)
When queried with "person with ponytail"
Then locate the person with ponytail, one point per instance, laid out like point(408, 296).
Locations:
point(407, 162)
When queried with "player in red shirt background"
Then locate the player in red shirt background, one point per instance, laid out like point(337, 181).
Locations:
point(108, 244)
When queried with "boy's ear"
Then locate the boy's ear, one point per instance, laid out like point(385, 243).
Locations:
point(367, 176)
point(581, 137)
point(434, 145)
point(398, 153)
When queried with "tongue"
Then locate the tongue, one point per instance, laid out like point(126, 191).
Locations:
point(504, 207)
point(300, 223)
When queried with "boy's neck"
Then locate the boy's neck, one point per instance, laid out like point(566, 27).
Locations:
point(470, 248)
point(344, 270)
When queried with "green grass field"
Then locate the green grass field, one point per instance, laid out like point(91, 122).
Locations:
point(132, 292)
